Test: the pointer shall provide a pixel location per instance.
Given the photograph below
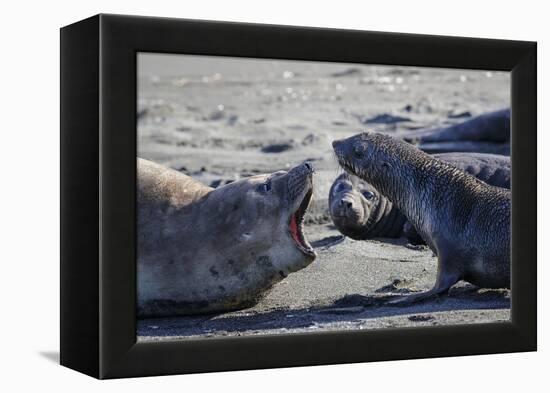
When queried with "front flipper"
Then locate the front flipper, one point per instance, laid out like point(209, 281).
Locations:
point(447, 275)
point(417, 297)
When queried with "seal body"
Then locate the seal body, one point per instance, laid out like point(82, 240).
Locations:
point(203, 250)
point(486, 133)
point(465, 221)
point(493, 169)
point(360, 211)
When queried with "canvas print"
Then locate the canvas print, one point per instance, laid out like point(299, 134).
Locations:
point(278, 196)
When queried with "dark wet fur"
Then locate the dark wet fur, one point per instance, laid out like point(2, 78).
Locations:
point(465, 221)
point(385, 220)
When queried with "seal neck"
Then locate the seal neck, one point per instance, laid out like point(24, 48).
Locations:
point(419, 186)
point(385, 221)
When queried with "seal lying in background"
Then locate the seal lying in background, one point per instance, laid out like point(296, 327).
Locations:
point(486, 133)
point(203, 250)
point(465, 221)
point(360, 211)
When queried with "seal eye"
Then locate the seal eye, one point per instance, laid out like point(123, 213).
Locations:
point(369, 195)
point(358, 151)
point(265, 187)
point(339, 188)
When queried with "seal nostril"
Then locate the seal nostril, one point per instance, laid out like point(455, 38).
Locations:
point(346, 204)
point(308, 166)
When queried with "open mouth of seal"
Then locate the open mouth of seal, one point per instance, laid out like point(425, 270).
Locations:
point(296, 226)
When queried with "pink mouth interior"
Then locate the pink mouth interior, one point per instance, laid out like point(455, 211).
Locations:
point(296, 222)
point(294, 231)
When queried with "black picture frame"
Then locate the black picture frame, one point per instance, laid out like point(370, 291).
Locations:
point(98, 168)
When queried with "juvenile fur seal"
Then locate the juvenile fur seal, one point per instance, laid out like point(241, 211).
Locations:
point(360, 211)
point(465, 221)
point(203, 250)
point(486, 133)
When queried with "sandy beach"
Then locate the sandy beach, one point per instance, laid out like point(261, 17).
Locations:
point(221, 119)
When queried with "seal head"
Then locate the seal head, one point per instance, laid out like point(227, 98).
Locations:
point(360, 212)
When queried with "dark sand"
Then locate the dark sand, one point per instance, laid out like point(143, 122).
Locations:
point(221, 120)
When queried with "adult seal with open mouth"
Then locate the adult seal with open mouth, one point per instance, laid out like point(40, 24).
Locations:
point(203, 250)
point(465, 221)
point(360, 211)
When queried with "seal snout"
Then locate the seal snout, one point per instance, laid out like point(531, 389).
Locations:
point(306, 169)
point(303, 170)
point(340, 146)
point(346, 206)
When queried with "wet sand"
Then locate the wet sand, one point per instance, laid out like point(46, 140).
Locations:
point(220, 121)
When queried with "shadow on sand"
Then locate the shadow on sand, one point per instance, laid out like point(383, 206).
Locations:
point(349, 308)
